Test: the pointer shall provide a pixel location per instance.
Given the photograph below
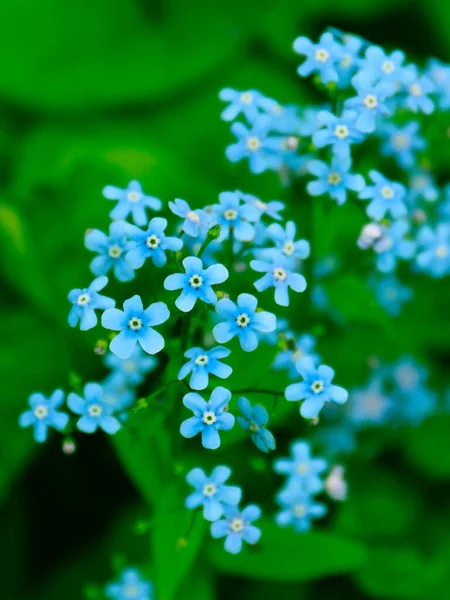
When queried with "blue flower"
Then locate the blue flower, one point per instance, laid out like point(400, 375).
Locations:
point(391, 294)
point(348, 64)
point(230, 213)
point(136, 326)
point(86, 301)
point(320, 58)
point(316, 389)
point(284, 119)
point(237, 527)
point(119, 395)
point(402, 143)
point(111, 251)
point(378, 66)
point(242, 320)
point(337, 132)
point(369, 102)
point(249, 103)
point(393, 245)
point(421, 186)
point(132, 370)
point(94, 411)
point(255, 419)
point(271, 209)
point(411, 399)
point(296, 348)
point(417, 89)
point(370, 405)
point(279, 276)
point(303, 471)
point(196, 222)
point(150, 244)
point(131, 587)
point(131, 200)
point(202, 363)
point(195, 283)
point(297, 510)
point(439, 74)
point(209, 417)
point(387, 197)
point(43, 414)
point(211, 493)
point(251, 144)
point(334, 180)
point(434, 250)
point(287, 248)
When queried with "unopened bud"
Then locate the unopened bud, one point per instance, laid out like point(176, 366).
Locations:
point(214, 232)
point(369, 234)
point(180, 544)
point(419, 216)
point(69, 446)
point(335, 484)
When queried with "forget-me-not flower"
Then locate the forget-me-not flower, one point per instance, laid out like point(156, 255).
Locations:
point(434, 250)
point(94, 411)
point(418, 88)
point(132, 586)
point(237, 527)
point(271, 208)
point(402, 143)
point(152, 243)
point(209, 417)
point(378, 66)
point(369, 102)
point(439, 73)
point(111, 251)
point(211, 492)
point(202, 363)
point(254, 419)
point(387, 197)
point(337, 132)
point(195, 283)
point(251, 144)
point(346, 67)
point(133, 369)
point(131, 200)
point(334, 179)
point(392, 245)
point(320, 58)
point(279, 276)
point(43, 414)
point(243, 321)
point(196, 222)
point(286, 246)
point(250, 103)
point(86, 302)
point(296, 348)
point(304, 472)
point(136, 326)
point(391, 294)
point(298, 509)
point(231, 214)
point(370, 405)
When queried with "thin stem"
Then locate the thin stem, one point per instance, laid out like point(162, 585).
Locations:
point(230, 247)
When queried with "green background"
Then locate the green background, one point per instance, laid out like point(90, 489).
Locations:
point(100, 92)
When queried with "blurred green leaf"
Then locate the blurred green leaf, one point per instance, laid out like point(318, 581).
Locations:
point(424, 447)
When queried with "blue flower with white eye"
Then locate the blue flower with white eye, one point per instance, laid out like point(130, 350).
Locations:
point(392, 245)
point(209, 417)
point(231, 214)
point(131, 200)
point(337, 132)
point(315, 389)
point(348, 64)
point(284, 119)
point(136, 326)
point(243, 321)
point(132, 586)
point(43, 414)
point(279, 276)
point(417, 88)
point(196, 222)
point(412, 401)
point(421, 186)
point(111, 250)
point(119, 395)
point(287, 248)
point(271, 209)
point(320, 58)
point(249, 103)
point(296, 348)
point(304, 472)
point(370, 405)
point(378, 66)
point(391, 294)
point(334, 180)
point(369, 102)
point(387, 197)
point(132, 370)
point(196, 283)
point(298, 509)
point(402, 143)
point(254, 419)
point(434, 250)
point(86, 301)
point(94, 411)
point(237, 527)
point(152, 243)
point(439, 73)
point(211, 492)
point(251, 144)
point(202, 363)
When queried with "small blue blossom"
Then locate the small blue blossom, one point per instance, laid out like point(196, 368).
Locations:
point(94, 411)
point(387, 197)
point(284, 119)
point(434, 250)
point(249, 103)
point(378, 66)
point(316, 389)
point(412, 401)
point(132, 370)
point(439, 73)
point(320, 58)
point(196, 283)
point(369, 102)
point(231, 214)
point(112, 250)
point(391, 294)
point(202, 363)
point(43, 414)
point(418, 88)
point(279, 276)
point(370, 405)
point(338, 132)
point(421, 186)
point(211, 492)
point(304, 472)
point(402, 143)
point(296, 348)
point(242, 320)
point(251, 144)
point(119, 395)
point(255, 419)
point(334, 180)
point(132, 586)
point(349, 63)
point(287, 248)
point(136, 326)
point(131, 200)
point(392, 245)
point(271, 209)
point(209, 417)
point(237, 527)
point(152, 243)
point(297, 510)
point(196, 222)
point(86, 301)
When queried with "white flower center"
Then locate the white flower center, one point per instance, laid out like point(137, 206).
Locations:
point(441, 251)
point(279, 274)
point(246, 98)
point(153, 241)
point(237, 525)
point(373, 404)
point(400, 141)
point(387, 192)
point(407, 376)
point(334, 178)
point(193, 216)
point(115, 251)
point(347, 61)
point(133, 197)
point(201, 360)
point(321, 55)
point(260, 205)
point(302, 469)
point(40, 412)
point(209, 490)
point(230, 214)
point(254, 428)
point(299, 510)
point(129, 366)
point(388, 67)
point(83, 299)
point(292, 142)
point(341, 131)
point(131, 591)
point(298, 354)
point(289, 248)
point(135, 323)
point(317, 386)
point(370, 101)
point(391, 293)
point(196, 281)
point(95, 410)
point(277, 109)
point(243, 320)
point(415, 89)
point(209, 417)
point(253, 143)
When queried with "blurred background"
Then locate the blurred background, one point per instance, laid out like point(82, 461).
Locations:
point(96, 93)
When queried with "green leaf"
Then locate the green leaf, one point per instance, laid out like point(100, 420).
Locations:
point(423, 447)
point(311, 555)
point(351, 297)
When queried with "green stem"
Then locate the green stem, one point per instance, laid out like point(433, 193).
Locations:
point(230, 247)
